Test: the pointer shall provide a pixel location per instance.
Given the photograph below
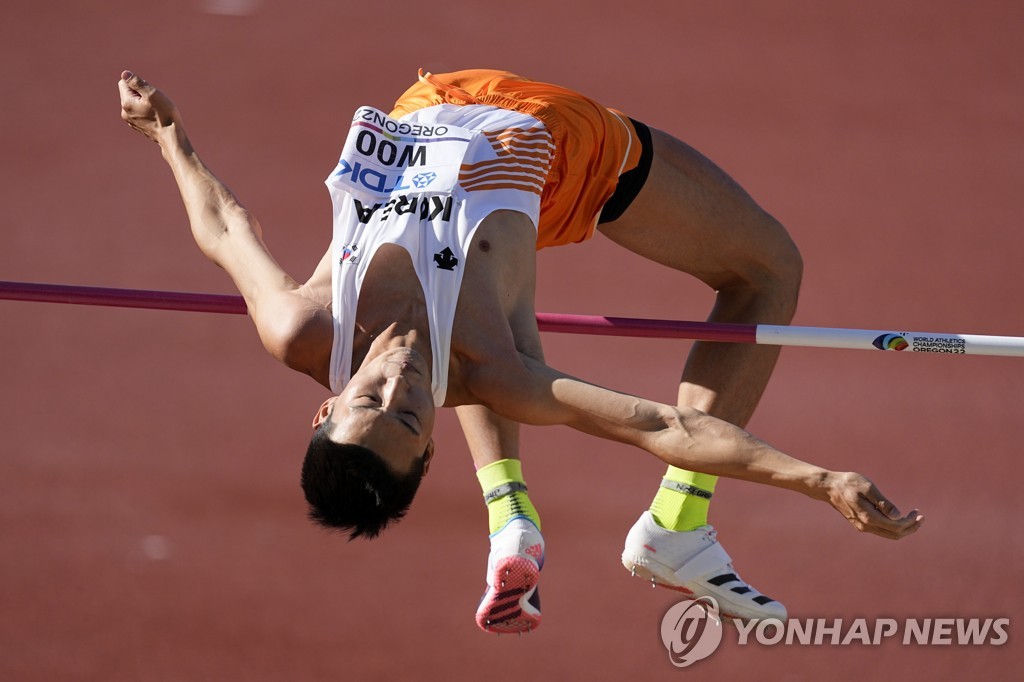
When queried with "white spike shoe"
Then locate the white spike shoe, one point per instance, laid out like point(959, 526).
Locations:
point(694, 564)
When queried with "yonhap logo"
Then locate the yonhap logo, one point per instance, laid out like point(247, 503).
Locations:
point(691, 631)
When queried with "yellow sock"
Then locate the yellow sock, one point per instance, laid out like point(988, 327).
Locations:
point(505, 493)
point(682, 500)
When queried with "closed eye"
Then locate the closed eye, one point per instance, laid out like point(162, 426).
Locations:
point(415, 425)
point(405, 421)
point(364, 400)
point(407, 418)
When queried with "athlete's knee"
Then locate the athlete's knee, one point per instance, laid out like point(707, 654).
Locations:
point(776, 249)
point(767, 281)
point(786, 266)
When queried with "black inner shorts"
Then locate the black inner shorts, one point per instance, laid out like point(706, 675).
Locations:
point(632, 181)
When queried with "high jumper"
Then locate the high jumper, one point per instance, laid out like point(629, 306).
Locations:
point(425, 298)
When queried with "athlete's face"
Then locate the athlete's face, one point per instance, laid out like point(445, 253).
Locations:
point(387, 407)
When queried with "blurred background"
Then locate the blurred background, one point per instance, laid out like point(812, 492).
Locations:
point(151, 523)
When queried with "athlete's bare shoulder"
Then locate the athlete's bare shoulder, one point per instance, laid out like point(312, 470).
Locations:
point(298, 328)
point(300, 334)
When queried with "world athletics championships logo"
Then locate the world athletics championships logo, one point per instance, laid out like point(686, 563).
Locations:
point(691, 631)
point(890, 342)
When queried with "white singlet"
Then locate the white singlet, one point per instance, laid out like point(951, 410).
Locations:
point(425, 182)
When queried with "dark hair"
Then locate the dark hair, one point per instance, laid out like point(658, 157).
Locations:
point(350, 488)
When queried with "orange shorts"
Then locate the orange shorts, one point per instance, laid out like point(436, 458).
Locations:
point(594, 145)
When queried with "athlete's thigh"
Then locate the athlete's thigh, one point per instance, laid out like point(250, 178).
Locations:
point(691, 216)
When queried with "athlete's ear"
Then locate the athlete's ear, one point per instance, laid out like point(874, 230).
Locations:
point(428, 455)
point(323, 412)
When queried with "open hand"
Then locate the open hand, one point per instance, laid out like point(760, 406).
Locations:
point(145, 108)
point(864, 506)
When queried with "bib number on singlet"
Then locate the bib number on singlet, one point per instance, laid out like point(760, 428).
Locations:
point(384, 156)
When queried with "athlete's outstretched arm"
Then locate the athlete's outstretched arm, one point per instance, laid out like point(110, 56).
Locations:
point(532, 393)
point(289, 323)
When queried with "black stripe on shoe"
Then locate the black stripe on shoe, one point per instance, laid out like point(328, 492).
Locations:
point(495, 610)
point(514, 592)
point(742, 589)
point(504, 619)
point(762, 600)
point(720, 580)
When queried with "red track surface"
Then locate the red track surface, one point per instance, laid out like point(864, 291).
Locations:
point(151, 524)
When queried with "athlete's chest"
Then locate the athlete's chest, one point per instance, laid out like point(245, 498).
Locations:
point(496, 297)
